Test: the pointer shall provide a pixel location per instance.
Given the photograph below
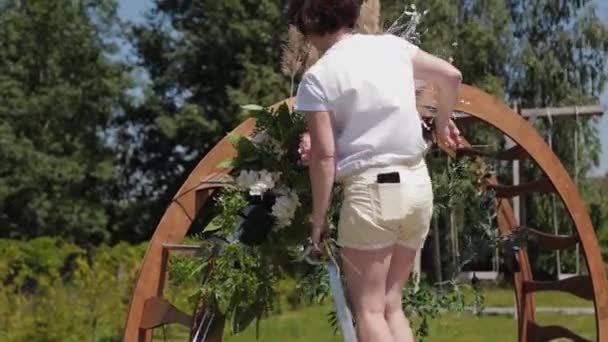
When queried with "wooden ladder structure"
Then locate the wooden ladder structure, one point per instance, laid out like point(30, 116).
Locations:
point(148, 309)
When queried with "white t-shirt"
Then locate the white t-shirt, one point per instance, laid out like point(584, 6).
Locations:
point(367, 83)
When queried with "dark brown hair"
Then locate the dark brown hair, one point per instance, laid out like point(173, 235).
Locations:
point(320, 17)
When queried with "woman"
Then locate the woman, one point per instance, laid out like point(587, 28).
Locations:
point(366, 134)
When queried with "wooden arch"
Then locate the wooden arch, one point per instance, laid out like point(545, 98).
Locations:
point(148, 310)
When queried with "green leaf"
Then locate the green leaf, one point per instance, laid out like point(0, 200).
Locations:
point(234, 138)
point(212, 227)
point(226, 164)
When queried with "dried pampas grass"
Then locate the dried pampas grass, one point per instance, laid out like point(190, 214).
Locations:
point(292, 49)
point(311, 57)
point(298, 56)
point(369, 18)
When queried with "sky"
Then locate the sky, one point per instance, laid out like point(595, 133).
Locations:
point(134, 9)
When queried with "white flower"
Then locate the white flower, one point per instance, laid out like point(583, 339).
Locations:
point(285, 208)
point(246, 179)
point(265, 182)
point(257, 182)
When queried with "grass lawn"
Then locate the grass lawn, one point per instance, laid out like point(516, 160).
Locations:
point(506, 298)
point(311, 324)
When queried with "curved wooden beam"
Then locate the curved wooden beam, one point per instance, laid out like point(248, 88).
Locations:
point(492, 111)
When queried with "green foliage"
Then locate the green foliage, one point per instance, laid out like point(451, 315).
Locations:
point(59, 90)
point(285, 128)
point(597, 205)
point(313, 286)
point(429, 302)
point(462, 202)
point(51, 290)
point(230, 203)
point(27, 266)
point(204, 59)
point(241, 283)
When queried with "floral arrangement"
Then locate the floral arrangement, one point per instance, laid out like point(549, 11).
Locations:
point(270, 173)
point(263, 222)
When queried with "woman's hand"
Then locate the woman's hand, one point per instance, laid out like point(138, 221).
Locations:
point(318, 234)
point(447, 134)
point(447, 79)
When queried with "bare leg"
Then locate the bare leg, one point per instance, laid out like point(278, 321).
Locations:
point(401, 266)
point(366, 273)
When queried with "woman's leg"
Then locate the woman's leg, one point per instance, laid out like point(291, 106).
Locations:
point(366, 273)
point(402, 262)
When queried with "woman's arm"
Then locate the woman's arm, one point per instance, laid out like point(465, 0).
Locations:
point(447, 78)
point(322, 168)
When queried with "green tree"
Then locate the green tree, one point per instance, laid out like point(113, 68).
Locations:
point(562, 49)
point(59, 89)
point(204, 60)
point(52, 290)
point(535, 54)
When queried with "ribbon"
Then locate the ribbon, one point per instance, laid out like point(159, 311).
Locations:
point(343, 314)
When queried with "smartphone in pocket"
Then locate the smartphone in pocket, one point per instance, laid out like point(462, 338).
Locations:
point(388, 178)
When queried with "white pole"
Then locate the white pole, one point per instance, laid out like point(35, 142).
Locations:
point(576, 137)
point(515, 172)
point(516, 201)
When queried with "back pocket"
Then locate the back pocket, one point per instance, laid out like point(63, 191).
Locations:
point(389, 202)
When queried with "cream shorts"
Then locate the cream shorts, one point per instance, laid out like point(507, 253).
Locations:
point(377, 215)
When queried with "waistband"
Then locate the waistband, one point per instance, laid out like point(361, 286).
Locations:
point(371, 172)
